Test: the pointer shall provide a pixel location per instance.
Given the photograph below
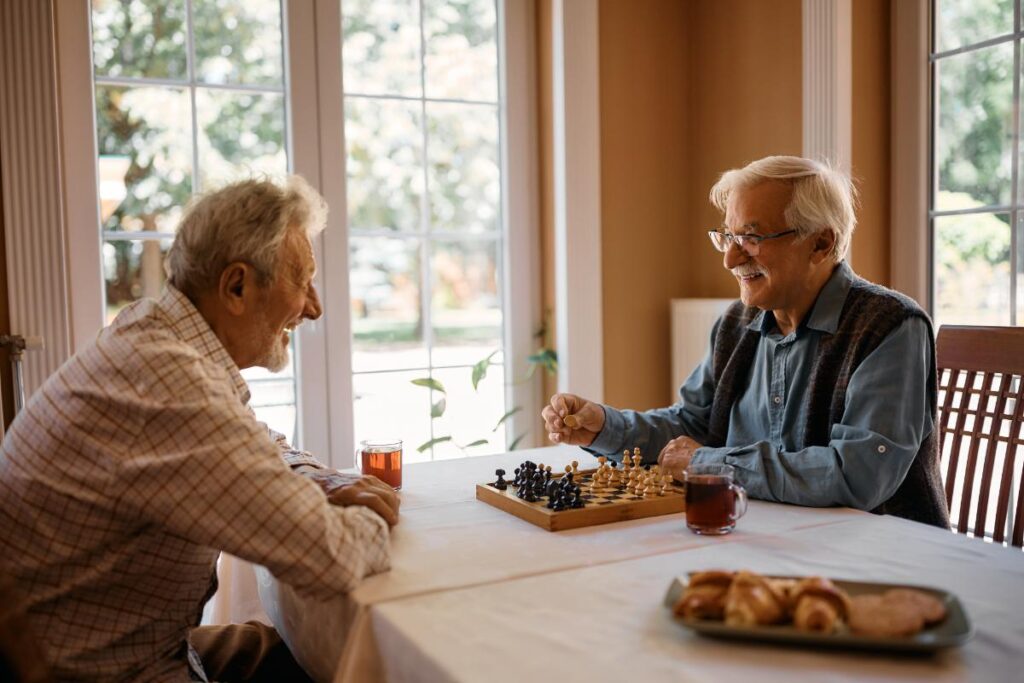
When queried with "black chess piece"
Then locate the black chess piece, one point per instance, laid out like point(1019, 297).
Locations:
point(501, 484)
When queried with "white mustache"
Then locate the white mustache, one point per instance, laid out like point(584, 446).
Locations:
point(748, 270)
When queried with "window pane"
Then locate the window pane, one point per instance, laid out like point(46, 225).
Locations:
point(388, 406)
point(139, 38)
point(975, 126)
point(147, 132)
point(381, 49)
point(471, 415)
point(385, 164)
point(972, 270)
point(464, 173)
point(238, 41)
point(963, 22)
point(387, 325)
point(272, 395)
point(132, 269)
point(461, 49)
point(465, 307)
point(241, 134)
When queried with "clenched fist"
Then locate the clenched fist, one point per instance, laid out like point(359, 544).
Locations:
point(572, 420)
point(675, 456)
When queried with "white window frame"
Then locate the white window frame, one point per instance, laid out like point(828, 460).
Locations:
point(909, 239)
point(316, 127)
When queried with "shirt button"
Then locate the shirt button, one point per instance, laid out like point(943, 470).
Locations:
point(881, 449)
point(777, 400)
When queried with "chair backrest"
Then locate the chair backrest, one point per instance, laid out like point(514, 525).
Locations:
point(981, 413)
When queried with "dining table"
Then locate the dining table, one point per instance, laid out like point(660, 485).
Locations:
point(477, 594)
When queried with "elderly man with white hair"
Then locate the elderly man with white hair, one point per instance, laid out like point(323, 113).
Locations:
point(139, 460)
point(819, 387)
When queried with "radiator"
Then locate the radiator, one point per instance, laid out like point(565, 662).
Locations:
point(692, 320)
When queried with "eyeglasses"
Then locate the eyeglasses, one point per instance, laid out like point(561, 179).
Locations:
point(749, 243)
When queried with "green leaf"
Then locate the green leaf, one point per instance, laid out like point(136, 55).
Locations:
point(437, 410)
point(433, 442)
point(478, 442)
point(545, 358)
point(506, 416)
point(515, 442)
point(430, 383)
point(480, 369)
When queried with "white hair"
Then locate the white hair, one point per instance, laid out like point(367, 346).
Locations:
point(823, 197)
point(245, 221)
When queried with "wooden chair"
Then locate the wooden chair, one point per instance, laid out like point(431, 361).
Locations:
point(981, 415)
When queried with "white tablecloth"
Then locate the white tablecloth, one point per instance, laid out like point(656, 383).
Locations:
point(473, 588)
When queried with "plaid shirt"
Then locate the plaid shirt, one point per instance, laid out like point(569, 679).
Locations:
point(127, 473)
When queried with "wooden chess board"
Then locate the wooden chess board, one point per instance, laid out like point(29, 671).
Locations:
point(603, 505)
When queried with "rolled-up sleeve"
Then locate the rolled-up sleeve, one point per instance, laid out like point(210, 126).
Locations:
point(650, 430)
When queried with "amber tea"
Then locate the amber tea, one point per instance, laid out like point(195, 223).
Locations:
point(382, 459)
point(713, 501)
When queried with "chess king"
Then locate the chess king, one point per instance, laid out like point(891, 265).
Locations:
point(818, 386)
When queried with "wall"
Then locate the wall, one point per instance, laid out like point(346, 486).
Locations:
point(646, 111)
point(748, 90)
point(687, 91)
point(871, 137)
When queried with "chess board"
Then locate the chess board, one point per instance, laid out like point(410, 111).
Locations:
point(603, 506)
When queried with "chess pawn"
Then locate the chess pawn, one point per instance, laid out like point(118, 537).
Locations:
point(636, 456)
point(575, 467)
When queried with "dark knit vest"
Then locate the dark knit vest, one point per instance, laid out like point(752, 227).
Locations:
point(869, 315)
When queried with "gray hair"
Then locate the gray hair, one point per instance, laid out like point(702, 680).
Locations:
point(245, 221)
point(823, 196)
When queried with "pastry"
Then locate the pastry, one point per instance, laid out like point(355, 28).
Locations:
point(752, 601)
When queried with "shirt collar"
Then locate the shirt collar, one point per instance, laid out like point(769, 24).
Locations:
point(824, 315)
point(191, 327)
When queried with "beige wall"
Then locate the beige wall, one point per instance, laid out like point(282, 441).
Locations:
point(689, 89)
point(646, 162)
point(870, 138)
point(747, 100)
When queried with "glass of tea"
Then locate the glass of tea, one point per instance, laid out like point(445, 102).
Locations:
point(382, 459)
point(713, 501)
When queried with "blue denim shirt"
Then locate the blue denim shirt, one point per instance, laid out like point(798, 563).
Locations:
point(870, 449)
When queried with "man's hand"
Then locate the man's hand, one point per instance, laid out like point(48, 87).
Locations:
point(572, 420)
point(675, 456)
point(371, 492)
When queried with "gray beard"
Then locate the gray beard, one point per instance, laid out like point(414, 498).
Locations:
point(275, 355)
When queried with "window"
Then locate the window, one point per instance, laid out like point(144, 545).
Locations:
point(976, 217)
point(189, 94)
point(426, 246)
point(439, 160)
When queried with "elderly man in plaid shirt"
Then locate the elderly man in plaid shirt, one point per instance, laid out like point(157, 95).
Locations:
point(139, 461)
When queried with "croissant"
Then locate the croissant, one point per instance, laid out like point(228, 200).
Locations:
point(753, 601)
point(819, 605)
point(704, 597)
